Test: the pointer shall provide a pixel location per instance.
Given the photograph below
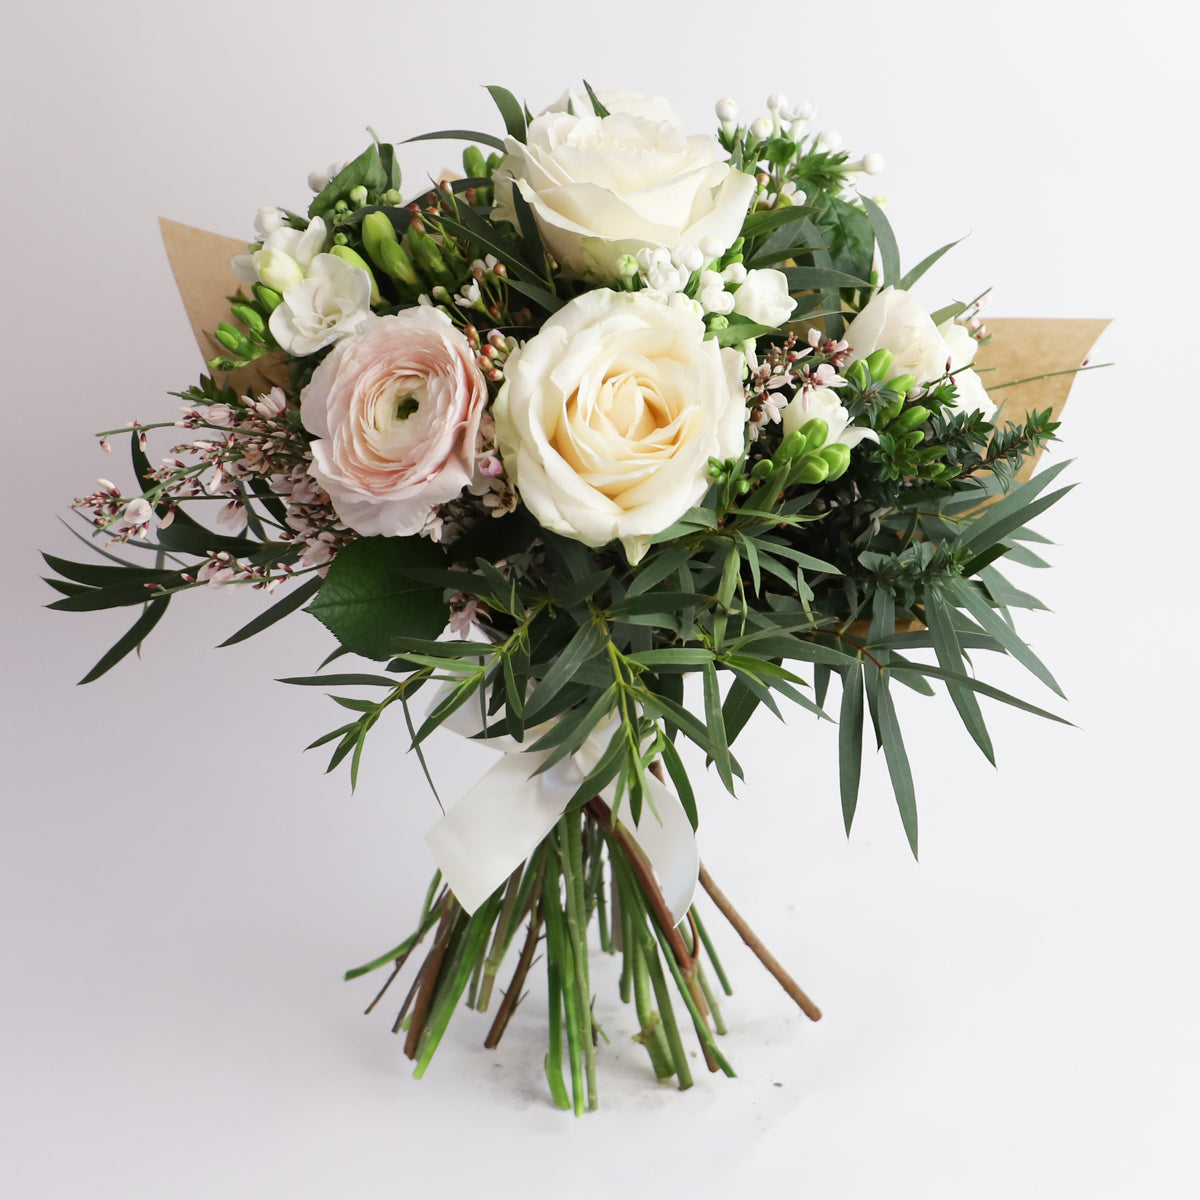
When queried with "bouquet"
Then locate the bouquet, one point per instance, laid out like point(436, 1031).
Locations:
point(590, 452)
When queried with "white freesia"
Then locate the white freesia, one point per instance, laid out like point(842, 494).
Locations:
point(601, 188)
point(763, 297)
point(893, 320)
point(332, 300)
point(609, 415)
point(284, 257)
point(823, 403)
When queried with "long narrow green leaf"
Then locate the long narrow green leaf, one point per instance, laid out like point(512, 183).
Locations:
point(716, 726)
point(512, 112)
point(850, 728)
point(459, 135)
point(292, 600)
point(970, 598)
point(131, 640)
point(885, 240)
point(897, 760)
point(950, 658)
point(588, 641)
point(912, 276)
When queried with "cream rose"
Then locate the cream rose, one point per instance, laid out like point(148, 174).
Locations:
point(608, 417)
point(893, 320)
point(604, 187)
point(395, 408)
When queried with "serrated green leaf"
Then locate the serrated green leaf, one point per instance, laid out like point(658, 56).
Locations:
point(370, 600)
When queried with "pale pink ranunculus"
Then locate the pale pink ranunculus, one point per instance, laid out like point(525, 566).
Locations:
point(395, 408)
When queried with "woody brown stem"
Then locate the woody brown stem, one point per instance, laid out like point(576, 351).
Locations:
point(429, 975)
point(509, 1003)
point(764, 955)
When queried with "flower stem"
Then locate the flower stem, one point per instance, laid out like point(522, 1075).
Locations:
point(504, 924)
point(764, 955)
point(577, 922)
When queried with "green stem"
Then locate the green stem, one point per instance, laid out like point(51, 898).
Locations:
point(638, 941)
point(651, 1034)
point(712, 954)
point(553, 1060)
point(558, 950)
point(504, 925)
point(571, 830)
point(467, 952)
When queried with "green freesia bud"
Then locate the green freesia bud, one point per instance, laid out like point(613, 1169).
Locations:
point(474, 166)
point(813, 470)
point(857, 372)
point(837, 458)
point(358, 196)
point(792, 446)
point(427, 256)
point(912, 439)
point(227, 337)
point(267, 297)
point(879, 363)
point(762, 469)
point(902, 384)
point(377, 229)
point(911, 418)
point(889, 412)
point(250, 317)
point(815, 431)
point(356, 260)
point(380, 242)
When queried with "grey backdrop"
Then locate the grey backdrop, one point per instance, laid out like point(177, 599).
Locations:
point(181, 888)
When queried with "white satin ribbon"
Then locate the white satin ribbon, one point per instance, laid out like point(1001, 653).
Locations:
point(483, 838)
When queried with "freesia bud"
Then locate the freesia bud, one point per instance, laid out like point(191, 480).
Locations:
point(911, 418)
point(902, 384)
point(793, 445)
point(879, 363)
point(815, 431)
point(814, 470)
point(837, 457)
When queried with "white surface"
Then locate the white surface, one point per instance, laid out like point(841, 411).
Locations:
point(181, 889)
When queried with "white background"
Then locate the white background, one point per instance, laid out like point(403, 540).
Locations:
point(181, 888)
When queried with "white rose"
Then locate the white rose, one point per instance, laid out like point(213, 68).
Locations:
point(823, 403)
point(609, 415)
point(893, 320)
point(601, 188)
point(763, 297)
point(332, 300)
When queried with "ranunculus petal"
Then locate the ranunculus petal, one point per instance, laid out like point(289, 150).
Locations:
point(395, 408)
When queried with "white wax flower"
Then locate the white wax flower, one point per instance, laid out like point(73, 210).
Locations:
point(763, 297)
point(601, 188)
point(609, 415)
